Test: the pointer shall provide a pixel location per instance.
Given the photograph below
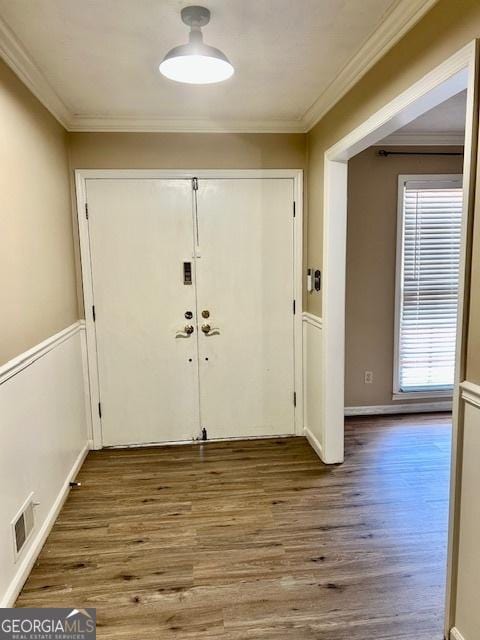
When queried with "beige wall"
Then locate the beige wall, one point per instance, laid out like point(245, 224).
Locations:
point(446, 28)
point(371, 249)
point(187, 151)
point(37, 279)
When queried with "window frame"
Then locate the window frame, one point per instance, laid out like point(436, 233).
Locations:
point(398, 394)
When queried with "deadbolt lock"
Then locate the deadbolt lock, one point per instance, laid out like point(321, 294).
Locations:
point(188, 315)
point(205, 313)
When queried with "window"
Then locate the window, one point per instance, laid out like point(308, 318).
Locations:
point(428, 260)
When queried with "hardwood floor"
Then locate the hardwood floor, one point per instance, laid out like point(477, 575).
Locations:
point(258, 540)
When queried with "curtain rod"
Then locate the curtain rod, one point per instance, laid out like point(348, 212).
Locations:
point(384, 153)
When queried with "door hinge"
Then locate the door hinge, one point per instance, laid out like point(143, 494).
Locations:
point(99, 409)
point(86, 211)
point(294, 307)
point(294, 209)
point(94, 315)
point(294, 398)
point(195, 184)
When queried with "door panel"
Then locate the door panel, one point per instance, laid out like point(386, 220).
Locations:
point(140, 234)
point(245, 281)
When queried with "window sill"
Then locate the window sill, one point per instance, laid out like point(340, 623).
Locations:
point(421, 395)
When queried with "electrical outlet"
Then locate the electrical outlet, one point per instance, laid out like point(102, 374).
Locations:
point(368, 377)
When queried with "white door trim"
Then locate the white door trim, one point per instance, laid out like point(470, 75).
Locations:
point(451, 76)
point(81, 175)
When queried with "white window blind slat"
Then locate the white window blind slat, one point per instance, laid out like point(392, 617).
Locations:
point(428, 283)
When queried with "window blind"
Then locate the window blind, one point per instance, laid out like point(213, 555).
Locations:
point(430, 261)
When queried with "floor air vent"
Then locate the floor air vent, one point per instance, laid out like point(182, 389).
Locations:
point(22, 526)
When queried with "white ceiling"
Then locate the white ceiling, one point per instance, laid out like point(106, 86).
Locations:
point(95, 62)
point(444, 124)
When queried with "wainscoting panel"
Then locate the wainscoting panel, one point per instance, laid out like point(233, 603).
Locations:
point(44, 441)
point(456, 635)
point(467, 614)
point(312, 381)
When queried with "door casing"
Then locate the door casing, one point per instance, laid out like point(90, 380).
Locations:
point(457, 72)
point(81, 175)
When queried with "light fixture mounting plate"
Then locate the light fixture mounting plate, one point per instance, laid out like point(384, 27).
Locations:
point(195, 16)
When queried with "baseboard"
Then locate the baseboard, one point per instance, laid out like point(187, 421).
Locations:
point(455, 634)
point(314, 442)
point(29, 560)
point(418, 407)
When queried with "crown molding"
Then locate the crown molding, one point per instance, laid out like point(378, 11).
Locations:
point(139, 125)
point(16, 57)
point(19, 60)
point(396, 24)
point(403, 17)
point(425, 138)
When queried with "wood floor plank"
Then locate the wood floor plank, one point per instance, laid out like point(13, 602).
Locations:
point(257, 540)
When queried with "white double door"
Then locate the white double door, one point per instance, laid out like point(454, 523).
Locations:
point(193, 301)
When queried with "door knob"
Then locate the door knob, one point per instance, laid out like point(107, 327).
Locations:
point(209, 331)
point(187, 331)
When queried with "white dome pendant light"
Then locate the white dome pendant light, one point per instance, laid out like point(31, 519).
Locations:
point(196, 62)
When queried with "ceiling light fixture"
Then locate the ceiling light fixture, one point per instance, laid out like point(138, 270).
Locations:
point(196, 62)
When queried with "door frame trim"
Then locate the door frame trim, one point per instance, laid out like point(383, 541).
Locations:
point(82, 175)
point(456, 72)
point(449, 77)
